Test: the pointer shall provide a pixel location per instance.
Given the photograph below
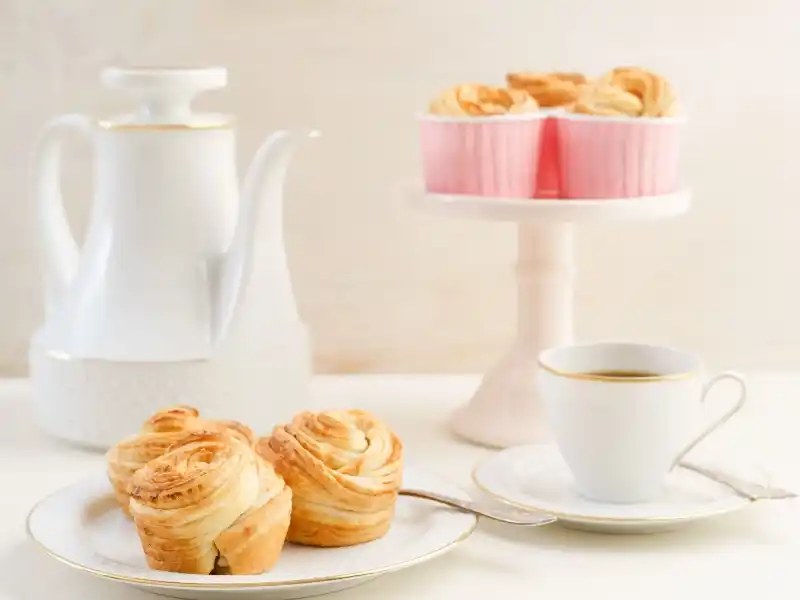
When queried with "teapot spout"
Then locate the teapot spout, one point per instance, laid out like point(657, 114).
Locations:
point(263, 185)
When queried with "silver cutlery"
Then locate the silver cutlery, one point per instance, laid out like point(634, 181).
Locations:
point(746, 489)
point(497, 512)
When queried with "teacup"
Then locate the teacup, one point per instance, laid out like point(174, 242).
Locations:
point(623, 414)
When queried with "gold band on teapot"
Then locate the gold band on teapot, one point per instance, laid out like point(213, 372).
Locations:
point(123, 126)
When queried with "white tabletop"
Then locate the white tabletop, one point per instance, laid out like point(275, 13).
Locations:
point(753, 552)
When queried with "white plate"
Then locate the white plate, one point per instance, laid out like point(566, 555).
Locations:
point(643, 208)
point(536, 477)
point(81, 526)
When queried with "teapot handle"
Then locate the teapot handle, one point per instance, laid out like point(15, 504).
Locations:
point(57, 246)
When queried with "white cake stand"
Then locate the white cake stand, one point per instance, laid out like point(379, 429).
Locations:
point(504, 410)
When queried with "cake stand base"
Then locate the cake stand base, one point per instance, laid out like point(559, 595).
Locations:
point(505, 411)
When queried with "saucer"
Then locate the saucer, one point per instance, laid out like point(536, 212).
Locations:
point(82, 526)
point(536, 477)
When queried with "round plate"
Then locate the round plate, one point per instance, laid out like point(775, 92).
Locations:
point(82, 526)
point(536, 477)
point(569, 211)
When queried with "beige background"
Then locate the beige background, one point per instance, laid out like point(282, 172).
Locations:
point(384, 288)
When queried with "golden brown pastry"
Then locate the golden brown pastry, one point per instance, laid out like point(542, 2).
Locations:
point(211, 501)
point(549, 89)
point(344, 468)
point(656, 94)
point(174, 418)
point(159, 432)
point(240, 430)
point(607, 100)
point(482, 100)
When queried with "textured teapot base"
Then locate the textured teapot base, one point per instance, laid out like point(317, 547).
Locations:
point(95, 403)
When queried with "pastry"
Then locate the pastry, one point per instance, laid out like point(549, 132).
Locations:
point(159, 432)
point(549, 89)
point(655, 92)
point(239, 430)
point(210, 501)
point(607, 100)
point(344, 468)
point(482, 100)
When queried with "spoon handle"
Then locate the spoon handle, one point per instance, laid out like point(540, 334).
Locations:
point(498, 512)
point(746, 489)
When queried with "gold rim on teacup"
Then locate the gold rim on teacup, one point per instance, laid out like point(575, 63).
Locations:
point(569, 374)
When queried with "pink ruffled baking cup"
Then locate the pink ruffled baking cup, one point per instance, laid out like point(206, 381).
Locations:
point(610, 157)
point(481, 156)
point(548, 179)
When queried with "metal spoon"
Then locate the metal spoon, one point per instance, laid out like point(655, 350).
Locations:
point(497, 512)
point(746, 489)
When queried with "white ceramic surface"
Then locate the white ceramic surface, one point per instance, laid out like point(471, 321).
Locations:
point(82, 526)
point(165, 259)
point(536, 477)
point(558, 211)
point(505, 409)
point(620, 436)
point(170, 273)
point(95, 403)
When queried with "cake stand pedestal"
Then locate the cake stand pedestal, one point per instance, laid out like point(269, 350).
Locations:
point(504, 411)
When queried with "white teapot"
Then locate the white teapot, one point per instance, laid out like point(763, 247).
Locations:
point(181, 291)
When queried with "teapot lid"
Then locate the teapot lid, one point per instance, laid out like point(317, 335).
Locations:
point(165, 96)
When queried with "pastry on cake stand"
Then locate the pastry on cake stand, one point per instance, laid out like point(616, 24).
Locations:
point(505, 410)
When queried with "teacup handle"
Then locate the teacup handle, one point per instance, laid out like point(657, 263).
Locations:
point(724, 418)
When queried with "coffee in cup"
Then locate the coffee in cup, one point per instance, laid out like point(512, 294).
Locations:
point(623, 414)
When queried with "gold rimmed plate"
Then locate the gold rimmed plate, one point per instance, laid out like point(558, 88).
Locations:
point(81, 526)
point(535, 477)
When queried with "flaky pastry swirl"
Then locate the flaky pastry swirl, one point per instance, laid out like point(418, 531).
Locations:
point(211, 500)
point(158, 434)
point(344, 468)
point(549, 89)
point(607, 100)
point(481, 100)
point(656, 94)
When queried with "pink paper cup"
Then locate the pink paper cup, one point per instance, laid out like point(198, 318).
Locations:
point(481, 156)
point(618, 157)
point(548, 178)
